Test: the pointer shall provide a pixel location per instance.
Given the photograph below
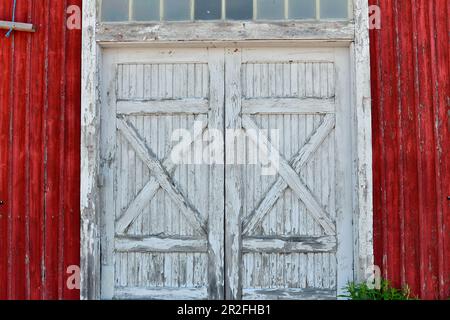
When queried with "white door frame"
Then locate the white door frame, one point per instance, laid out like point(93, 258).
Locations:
point(353, 34)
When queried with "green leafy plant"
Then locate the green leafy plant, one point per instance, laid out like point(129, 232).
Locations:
point(362, 291)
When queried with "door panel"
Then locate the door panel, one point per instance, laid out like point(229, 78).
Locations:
point(287, 243)
point(168, 225)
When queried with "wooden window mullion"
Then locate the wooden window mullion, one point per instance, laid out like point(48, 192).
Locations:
point(130, 10)
point(317, 9)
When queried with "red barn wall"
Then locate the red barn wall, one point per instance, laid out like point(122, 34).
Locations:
point(411, 144)
point(40, 139)
point(39, 152)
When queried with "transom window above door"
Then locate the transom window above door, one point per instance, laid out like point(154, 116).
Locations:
point(201, 10)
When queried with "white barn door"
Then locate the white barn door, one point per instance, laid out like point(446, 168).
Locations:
point(288, 234)
point(202, 231)
point(163, 219)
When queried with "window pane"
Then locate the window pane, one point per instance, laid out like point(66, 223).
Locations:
point(177, 10)
point(302, 9)
point(270, 9)
point(146, 10)
point(115, 10)
point(181, 10)
point(333, 9)
point(239, 9)
point(208, 9)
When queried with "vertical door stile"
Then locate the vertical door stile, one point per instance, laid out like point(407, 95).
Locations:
point(233, 180)
point(106, 179)
point(343, 169)
point(216, 202)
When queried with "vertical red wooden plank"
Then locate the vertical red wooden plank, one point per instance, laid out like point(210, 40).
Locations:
point(408, 152)
point(427, 154)
point(436, 214)
point(382, 158)
point(443, 39)
point(400, 148)
point(382, 152)
point(54, 136)
point(37, 160)
point(5, 111)
point(390, 140)
point(447, 169)
point(417, 100)
point(72, 153)
point(375, 51)
point(19, 170)
point(61, 26)
point(441, 82)
point(28, 130)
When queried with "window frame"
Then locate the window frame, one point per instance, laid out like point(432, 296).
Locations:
point(223, 14)
point(97, 36)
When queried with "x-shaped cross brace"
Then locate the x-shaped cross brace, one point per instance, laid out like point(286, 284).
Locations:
point(289, 175)
point(161, 179)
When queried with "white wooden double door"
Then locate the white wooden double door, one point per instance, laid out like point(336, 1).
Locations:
point(224, 229)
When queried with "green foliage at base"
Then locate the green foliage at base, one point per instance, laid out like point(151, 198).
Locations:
point(386, 292)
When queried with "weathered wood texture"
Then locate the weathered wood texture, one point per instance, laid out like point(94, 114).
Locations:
point(89, 162)
point(362, 144)
point(161, 293)
point(161, 236)
point(233, 177)
point(289, 294)
point(39, 152)
point(224, 31)
point(288, 245)
point(39, 107)
point(411, 94)
point(168, 230)
point(311, 69)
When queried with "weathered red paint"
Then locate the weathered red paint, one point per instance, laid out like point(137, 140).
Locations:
point(39, 152)
point(411, 101)
point(39, 149)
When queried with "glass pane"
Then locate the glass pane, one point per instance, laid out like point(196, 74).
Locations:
point(146, 10)
point(302, 9)
point(208, 9)
point(115, 10)
point(181, 10)
point(333, 9)
point(270, 9)
point(177, 10)
point(239, 9)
